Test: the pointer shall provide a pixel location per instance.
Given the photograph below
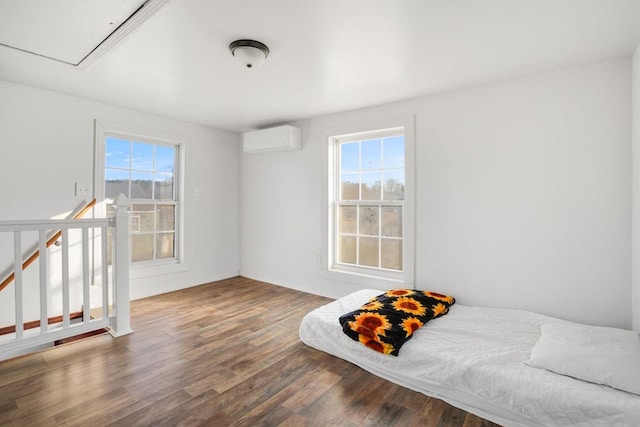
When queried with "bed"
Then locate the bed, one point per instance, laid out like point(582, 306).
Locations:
point(476, 359)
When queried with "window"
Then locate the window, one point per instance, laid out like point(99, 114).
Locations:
point(369, 214)
point(146, 170)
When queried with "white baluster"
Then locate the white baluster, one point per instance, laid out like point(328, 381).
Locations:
point(17, 248)
point(86, 295)
point(105, 274)
point(44, 282)
point(66, 322)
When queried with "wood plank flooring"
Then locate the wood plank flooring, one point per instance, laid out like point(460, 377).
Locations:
point(221, 354)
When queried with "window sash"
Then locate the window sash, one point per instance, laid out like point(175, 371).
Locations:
point(337, 261)
point(155, 233)
point(136, 230)
point(172, 234)
point(145, 245)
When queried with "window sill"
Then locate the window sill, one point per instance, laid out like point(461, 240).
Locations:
point(364, 280)
point(150, 270)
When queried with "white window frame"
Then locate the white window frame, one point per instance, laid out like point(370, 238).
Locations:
point(104, 129)
point(364, 276)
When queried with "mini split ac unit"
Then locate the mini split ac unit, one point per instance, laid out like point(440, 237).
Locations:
point(281, 138)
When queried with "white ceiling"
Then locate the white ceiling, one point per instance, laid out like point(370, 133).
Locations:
point(67, 30)
point(326, 56)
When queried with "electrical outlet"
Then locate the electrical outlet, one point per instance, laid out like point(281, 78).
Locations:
point(82, 189)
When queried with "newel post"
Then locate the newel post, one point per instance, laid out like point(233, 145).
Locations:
point(122, 325)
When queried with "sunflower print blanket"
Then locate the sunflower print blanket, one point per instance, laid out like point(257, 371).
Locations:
point(389, 320)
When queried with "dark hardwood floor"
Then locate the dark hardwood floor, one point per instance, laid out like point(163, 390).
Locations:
point(221, 354)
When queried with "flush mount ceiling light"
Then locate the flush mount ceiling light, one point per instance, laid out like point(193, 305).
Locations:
point(250, 53)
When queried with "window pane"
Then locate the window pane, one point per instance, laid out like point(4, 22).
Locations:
point(165, 245)
point(117, 153)
point(163, 187)
point(116, 182)
point(141, 247)
point(347, 249)
point(368, 251)
point(142, 157)
point(349, 156)
point(371, 186)
point(371, 154)
point(165, 159)
point(349, 187)
point(369, 220)
point(393, 149)
point(166, 217)
point(348, 217)
point(141, 185)
point(392, 254)
point(392, 221)
point(142, 218)
point(394, 184)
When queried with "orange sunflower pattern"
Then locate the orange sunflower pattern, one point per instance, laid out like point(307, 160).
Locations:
point(389, 320)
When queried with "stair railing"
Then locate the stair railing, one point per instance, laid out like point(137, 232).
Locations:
point(51, 241)
point(117, 319)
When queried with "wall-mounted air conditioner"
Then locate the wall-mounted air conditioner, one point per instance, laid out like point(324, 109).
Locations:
point(281, 138)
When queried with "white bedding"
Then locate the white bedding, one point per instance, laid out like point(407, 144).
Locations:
point(474, 358)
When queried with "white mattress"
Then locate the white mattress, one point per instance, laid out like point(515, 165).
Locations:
point(473, 358)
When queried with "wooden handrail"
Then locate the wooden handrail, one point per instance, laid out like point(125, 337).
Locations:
point(50, 242)
point(36, 323)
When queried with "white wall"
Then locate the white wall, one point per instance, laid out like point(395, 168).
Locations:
point(635, 291)
point(47, 144)
point(523, 196)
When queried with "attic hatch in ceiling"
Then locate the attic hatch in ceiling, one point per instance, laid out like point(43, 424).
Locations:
point(74, 32)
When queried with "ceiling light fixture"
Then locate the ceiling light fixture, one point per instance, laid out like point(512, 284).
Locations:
point(250, 53)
